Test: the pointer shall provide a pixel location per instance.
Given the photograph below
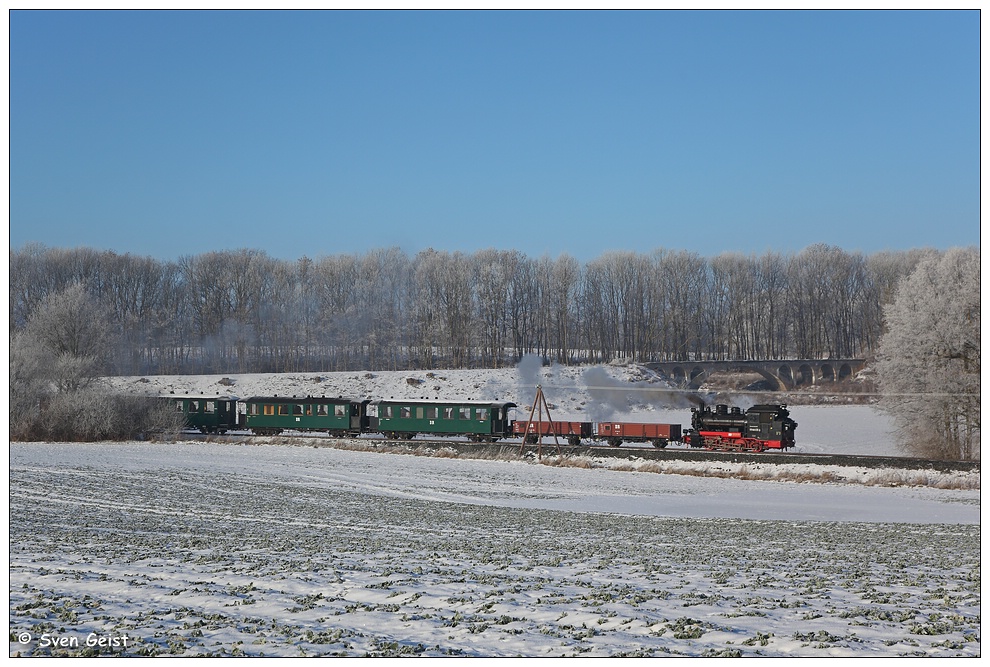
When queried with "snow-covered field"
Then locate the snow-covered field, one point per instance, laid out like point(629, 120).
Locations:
point(199, 548)
point(195, 548)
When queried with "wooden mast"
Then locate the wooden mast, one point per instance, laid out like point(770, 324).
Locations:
point(539, 403)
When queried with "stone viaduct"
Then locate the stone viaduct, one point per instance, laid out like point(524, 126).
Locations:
point(782, 374)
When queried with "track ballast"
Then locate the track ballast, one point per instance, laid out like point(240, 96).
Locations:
point(508, 449)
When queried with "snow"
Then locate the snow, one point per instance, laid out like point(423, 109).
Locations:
point(278, 548)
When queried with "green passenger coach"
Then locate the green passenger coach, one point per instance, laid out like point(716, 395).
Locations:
point(481, 421)
point(339, 416)
point(208, 414)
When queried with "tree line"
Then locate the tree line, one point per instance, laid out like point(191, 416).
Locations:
point(244, 311)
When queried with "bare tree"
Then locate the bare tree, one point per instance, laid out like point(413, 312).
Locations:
point(523, 299)
point(308, 312)
point(384, 277)
point(715, 304)
point(458, 306)
point(493, 277)
point(734, 279)
point(808, 300)
point(682, 277)
point(134, 289)
point(769, 313)
point(338, 304)
point(277, 317)
point(26, 288)
point(445, 306)
point(600, 311)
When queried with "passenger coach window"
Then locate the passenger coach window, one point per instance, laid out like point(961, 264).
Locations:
point(193, 406)
point(465, 413)
point(269, 409)
point(253, 409)
point(388, 411)
point(482, 414)
point(448, 413)
point(431, 413)
point(211, 406)
point(419, 413)
point(405, 412)
point(340, 411)
point(283, 409)
point(178, 406)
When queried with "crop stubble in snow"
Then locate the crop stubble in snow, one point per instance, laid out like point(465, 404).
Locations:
point(189, 561)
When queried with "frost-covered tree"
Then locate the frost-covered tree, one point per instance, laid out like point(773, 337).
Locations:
point(60, 351)
point(55, 365)
point(929, 359)
point(66, 342)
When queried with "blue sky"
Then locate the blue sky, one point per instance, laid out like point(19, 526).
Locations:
point(175, 133)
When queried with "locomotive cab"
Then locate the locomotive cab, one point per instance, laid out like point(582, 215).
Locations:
point(771, 423)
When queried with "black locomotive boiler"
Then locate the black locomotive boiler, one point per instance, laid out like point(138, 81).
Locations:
point(759, 428)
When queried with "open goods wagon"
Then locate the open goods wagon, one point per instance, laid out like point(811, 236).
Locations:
point(573, 431)
point(659, 435)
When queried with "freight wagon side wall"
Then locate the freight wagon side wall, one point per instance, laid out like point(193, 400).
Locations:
point(638, 430)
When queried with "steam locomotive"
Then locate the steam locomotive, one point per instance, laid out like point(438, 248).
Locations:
point(759, 428)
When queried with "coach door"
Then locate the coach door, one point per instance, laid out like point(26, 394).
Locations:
point(359, 415)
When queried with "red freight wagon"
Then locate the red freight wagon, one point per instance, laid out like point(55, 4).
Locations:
point(615, 433)
point(573, 431)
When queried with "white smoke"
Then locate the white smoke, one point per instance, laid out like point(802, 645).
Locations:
point(611, 397)
point(529, 368)
point(608, 396)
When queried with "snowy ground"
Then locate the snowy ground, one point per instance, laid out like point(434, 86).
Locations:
point(196, 548)
point(199, 548)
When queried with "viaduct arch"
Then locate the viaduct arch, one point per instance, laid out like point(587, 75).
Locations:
point(782, 374)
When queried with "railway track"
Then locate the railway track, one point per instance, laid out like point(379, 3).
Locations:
point(508, 449)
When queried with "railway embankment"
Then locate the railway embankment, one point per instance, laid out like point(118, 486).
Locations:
point(791, 466)
point(499, 450)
